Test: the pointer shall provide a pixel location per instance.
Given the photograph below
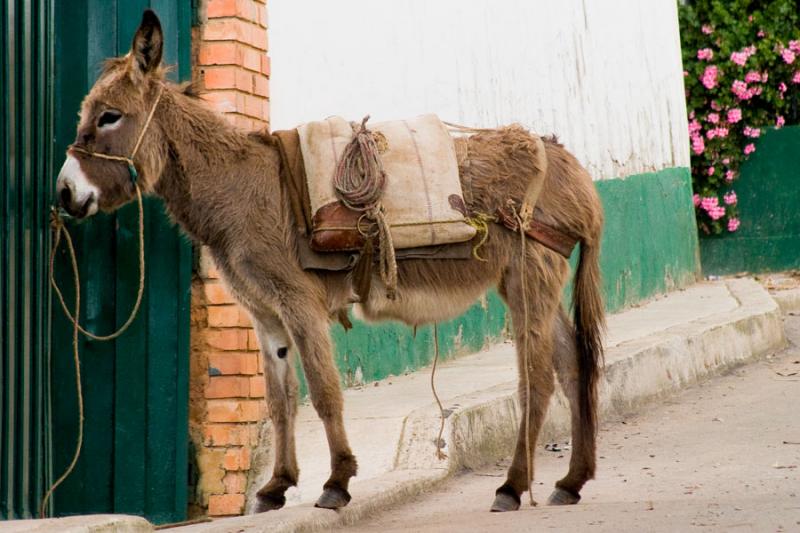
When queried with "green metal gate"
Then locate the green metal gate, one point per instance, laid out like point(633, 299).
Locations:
point(25, 166)
point(135, 456)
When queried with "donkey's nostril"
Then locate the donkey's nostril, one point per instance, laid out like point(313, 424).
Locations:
point(66, 197)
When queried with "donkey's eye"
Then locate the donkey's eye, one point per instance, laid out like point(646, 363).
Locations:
point(108, 118)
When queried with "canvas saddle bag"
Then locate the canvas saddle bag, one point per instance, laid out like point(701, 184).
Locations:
point(422, 185)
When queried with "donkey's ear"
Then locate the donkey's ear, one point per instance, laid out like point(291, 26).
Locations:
point(148, 43)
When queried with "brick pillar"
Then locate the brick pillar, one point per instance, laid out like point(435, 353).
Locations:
point(227, 384)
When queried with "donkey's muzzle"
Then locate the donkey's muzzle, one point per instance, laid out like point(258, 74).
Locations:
point(75, 193)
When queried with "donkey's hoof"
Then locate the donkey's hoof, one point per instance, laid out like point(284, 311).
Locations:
point(269, 502)
point(333, 497)
point(563, 497)
point(505, 502)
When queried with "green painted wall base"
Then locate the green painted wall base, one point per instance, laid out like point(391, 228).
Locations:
point(649, 247)
point(768, 189)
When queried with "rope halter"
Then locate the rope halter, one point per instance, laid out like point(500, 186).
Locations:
point(121, 158)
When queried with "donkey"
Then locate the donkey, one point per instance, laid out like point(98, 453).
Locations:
point(222, 186)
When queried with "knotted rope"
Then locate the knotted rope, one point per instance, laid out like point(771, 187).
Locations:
point(360, 181)
point(57, 223)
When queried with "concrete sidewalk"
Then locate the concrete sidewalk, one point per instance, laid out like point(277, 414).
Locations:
point(651, 351)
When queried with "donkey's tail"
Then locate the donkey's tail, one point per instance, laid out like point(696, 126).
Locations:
point(589, 320)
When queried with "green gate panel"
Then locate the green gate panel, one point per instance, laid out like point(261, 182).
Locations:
point(24, 160)
point(135, 454)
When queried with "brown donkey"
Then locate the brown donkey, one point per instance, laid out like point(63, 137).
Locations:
point(222, 186)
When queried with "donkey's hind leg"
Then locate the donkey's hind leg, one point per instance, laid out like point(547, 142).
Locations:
point(533, 331)
point(308, 321)
point(282, 400)
point(582, 458)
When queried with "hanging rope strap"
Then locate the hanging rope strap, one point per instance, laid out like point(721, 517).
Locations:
point(57, 223)
point(360, 181)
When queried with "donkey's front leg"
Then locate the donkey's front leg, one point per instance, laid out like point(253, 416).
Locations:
point(282, 399)
point(308, 323)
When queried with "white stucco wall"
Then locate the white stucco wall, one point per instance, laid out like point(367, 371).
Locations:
point(604, 75)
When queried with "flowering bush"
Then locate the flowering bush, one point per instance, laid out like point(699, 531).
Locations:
point(742, 61)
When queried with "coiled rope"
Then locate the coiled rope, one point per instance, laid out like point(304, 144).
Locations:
point(360, 181)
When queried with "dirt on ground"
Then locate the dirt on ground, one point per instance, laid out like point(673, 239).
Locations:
point(721, 456)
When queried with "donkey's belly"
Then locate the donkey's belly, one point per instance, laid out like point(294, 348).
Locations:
point(417, 306)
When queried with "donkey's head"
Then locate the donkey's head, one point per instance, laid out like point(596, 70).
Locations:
point(117, 143)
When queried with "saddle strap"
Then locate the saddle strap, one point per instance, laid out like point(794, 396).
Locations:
point(555, 239)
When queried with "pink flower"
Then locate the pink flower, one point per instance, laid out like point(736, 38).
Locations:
point(709, 202)
point(711, 170)
point(733, 224)
point(739, 58)
point(698, 145)
point(694, 127)
point(780, 121)
point(707, 29)
point(696, 199)
point(685, 73)
point(730, 198)
point(788, 56)
point(715, 106)
point(749, 149)
point(761, 33)
point(796, 77)
point(691, 115)
point(729, 175)
point(716, 213)
point(726, 161)
point(782, 87)
point(709, 77)
point(794, 46)
point(752, 77)
point(713, 118)
point(734, 115)
point(705, 54)
point(722, 132)
point(752, 132)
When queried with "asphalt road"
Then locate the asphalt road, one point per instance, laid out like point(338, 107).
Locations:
point(721, 456)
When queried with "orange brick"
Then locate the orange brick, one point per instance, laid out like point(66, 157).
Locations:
point(257, 37)
point(223, 316)
point(236, 410)
point(225, 504)
point(235, 482)
point(255, 106)
point(221, 8)
point(219, 77)
point(216, 293)
point(262, 16)
point(261, 85)
point(252, 340)
point(258, 387)
point(232, 363)
point(228, 387)
point(266, 64)
point(225, 101)
point(237, 458)
point(220, 53)
point(227, 339)
point(244, 319)
point(227, 29)
point(251, 58)
point(227, 435)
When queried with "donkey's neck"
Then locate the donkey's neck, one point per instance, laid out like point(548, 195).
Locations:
point(218, 180)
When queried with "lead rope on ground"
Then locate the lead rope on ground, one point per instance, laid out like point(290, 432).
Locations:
point(439, 445)
point(521, 223)
point(58, 226)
